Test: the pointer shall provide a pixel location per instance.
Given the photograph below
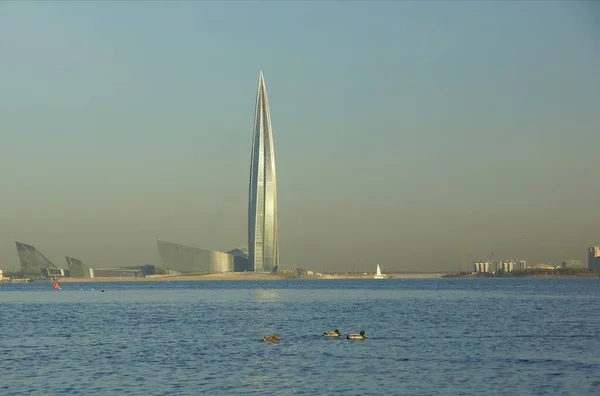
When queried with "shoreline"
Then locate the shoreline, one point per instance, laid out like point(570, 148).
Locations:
point(245, 277)
point(527, 276)
point(273, 277)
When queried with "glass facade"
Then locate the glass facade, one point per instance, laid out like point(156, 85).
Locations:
point(34, 264)
point(185, 259)
point(77, 269)
point(263, 255)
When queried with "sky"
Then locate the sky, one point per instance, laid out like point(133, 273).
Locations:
point(405, 132)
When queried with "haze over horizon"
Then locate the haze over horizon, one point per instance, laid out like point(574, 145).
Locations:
point(402, 130)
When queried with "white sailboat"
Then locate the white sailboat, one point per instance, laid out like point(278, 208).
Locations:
point(379, 275)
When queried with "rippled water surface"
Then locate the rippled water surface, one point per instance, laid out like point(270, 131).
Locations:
point(425, 337)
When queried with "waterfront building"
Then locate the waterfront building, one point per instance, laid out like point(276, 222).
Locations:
point(482, 266)
point(575, 264)
point(77, 269)
point(494, 266)
point(508, 266)
point(139, 271)
point(594, 257)
point(181, 259)
point(263, 247)
point(35, 265)
point(513, 265)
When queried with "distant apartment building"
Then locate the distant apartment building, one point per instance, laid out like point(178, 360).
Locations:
point(575, 264)
point(514, 265)
point(497, 265)
point(482, 266)
point(1, 274)
point(508, 266)
point(594, 257)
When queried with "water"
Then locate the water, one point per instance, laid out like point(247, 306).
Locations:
point(425, 337)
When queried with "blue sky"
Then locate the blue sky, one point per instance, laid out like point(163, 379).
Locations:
point(403, 130)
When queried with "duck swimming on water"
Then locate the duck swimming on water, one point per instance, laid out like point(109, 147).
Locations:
point(335, 333)
point(273, 337)
point(356, 336)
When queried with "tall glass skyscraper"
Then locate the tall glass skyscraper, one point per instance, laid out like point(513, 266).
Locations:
point(263, 248)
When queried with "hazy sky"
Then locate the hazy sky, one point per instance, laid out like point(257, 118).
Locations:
point(402, 130)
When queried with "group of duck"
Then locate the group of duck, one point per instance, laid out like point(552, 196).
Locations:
point(336, 333)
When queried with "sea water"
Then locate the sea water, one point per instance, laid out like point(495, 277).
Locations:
point(424, 337)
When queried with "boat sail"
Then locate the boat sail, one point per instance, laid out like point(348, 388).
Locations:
point(379, 275)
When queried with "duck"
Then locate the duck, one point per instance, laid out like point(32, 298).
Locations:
point(335, 333)
point(356, 336)
point(273, 337)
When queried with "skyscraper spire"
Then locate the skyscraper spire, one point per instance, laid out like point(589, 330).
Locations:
point(263, 248)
